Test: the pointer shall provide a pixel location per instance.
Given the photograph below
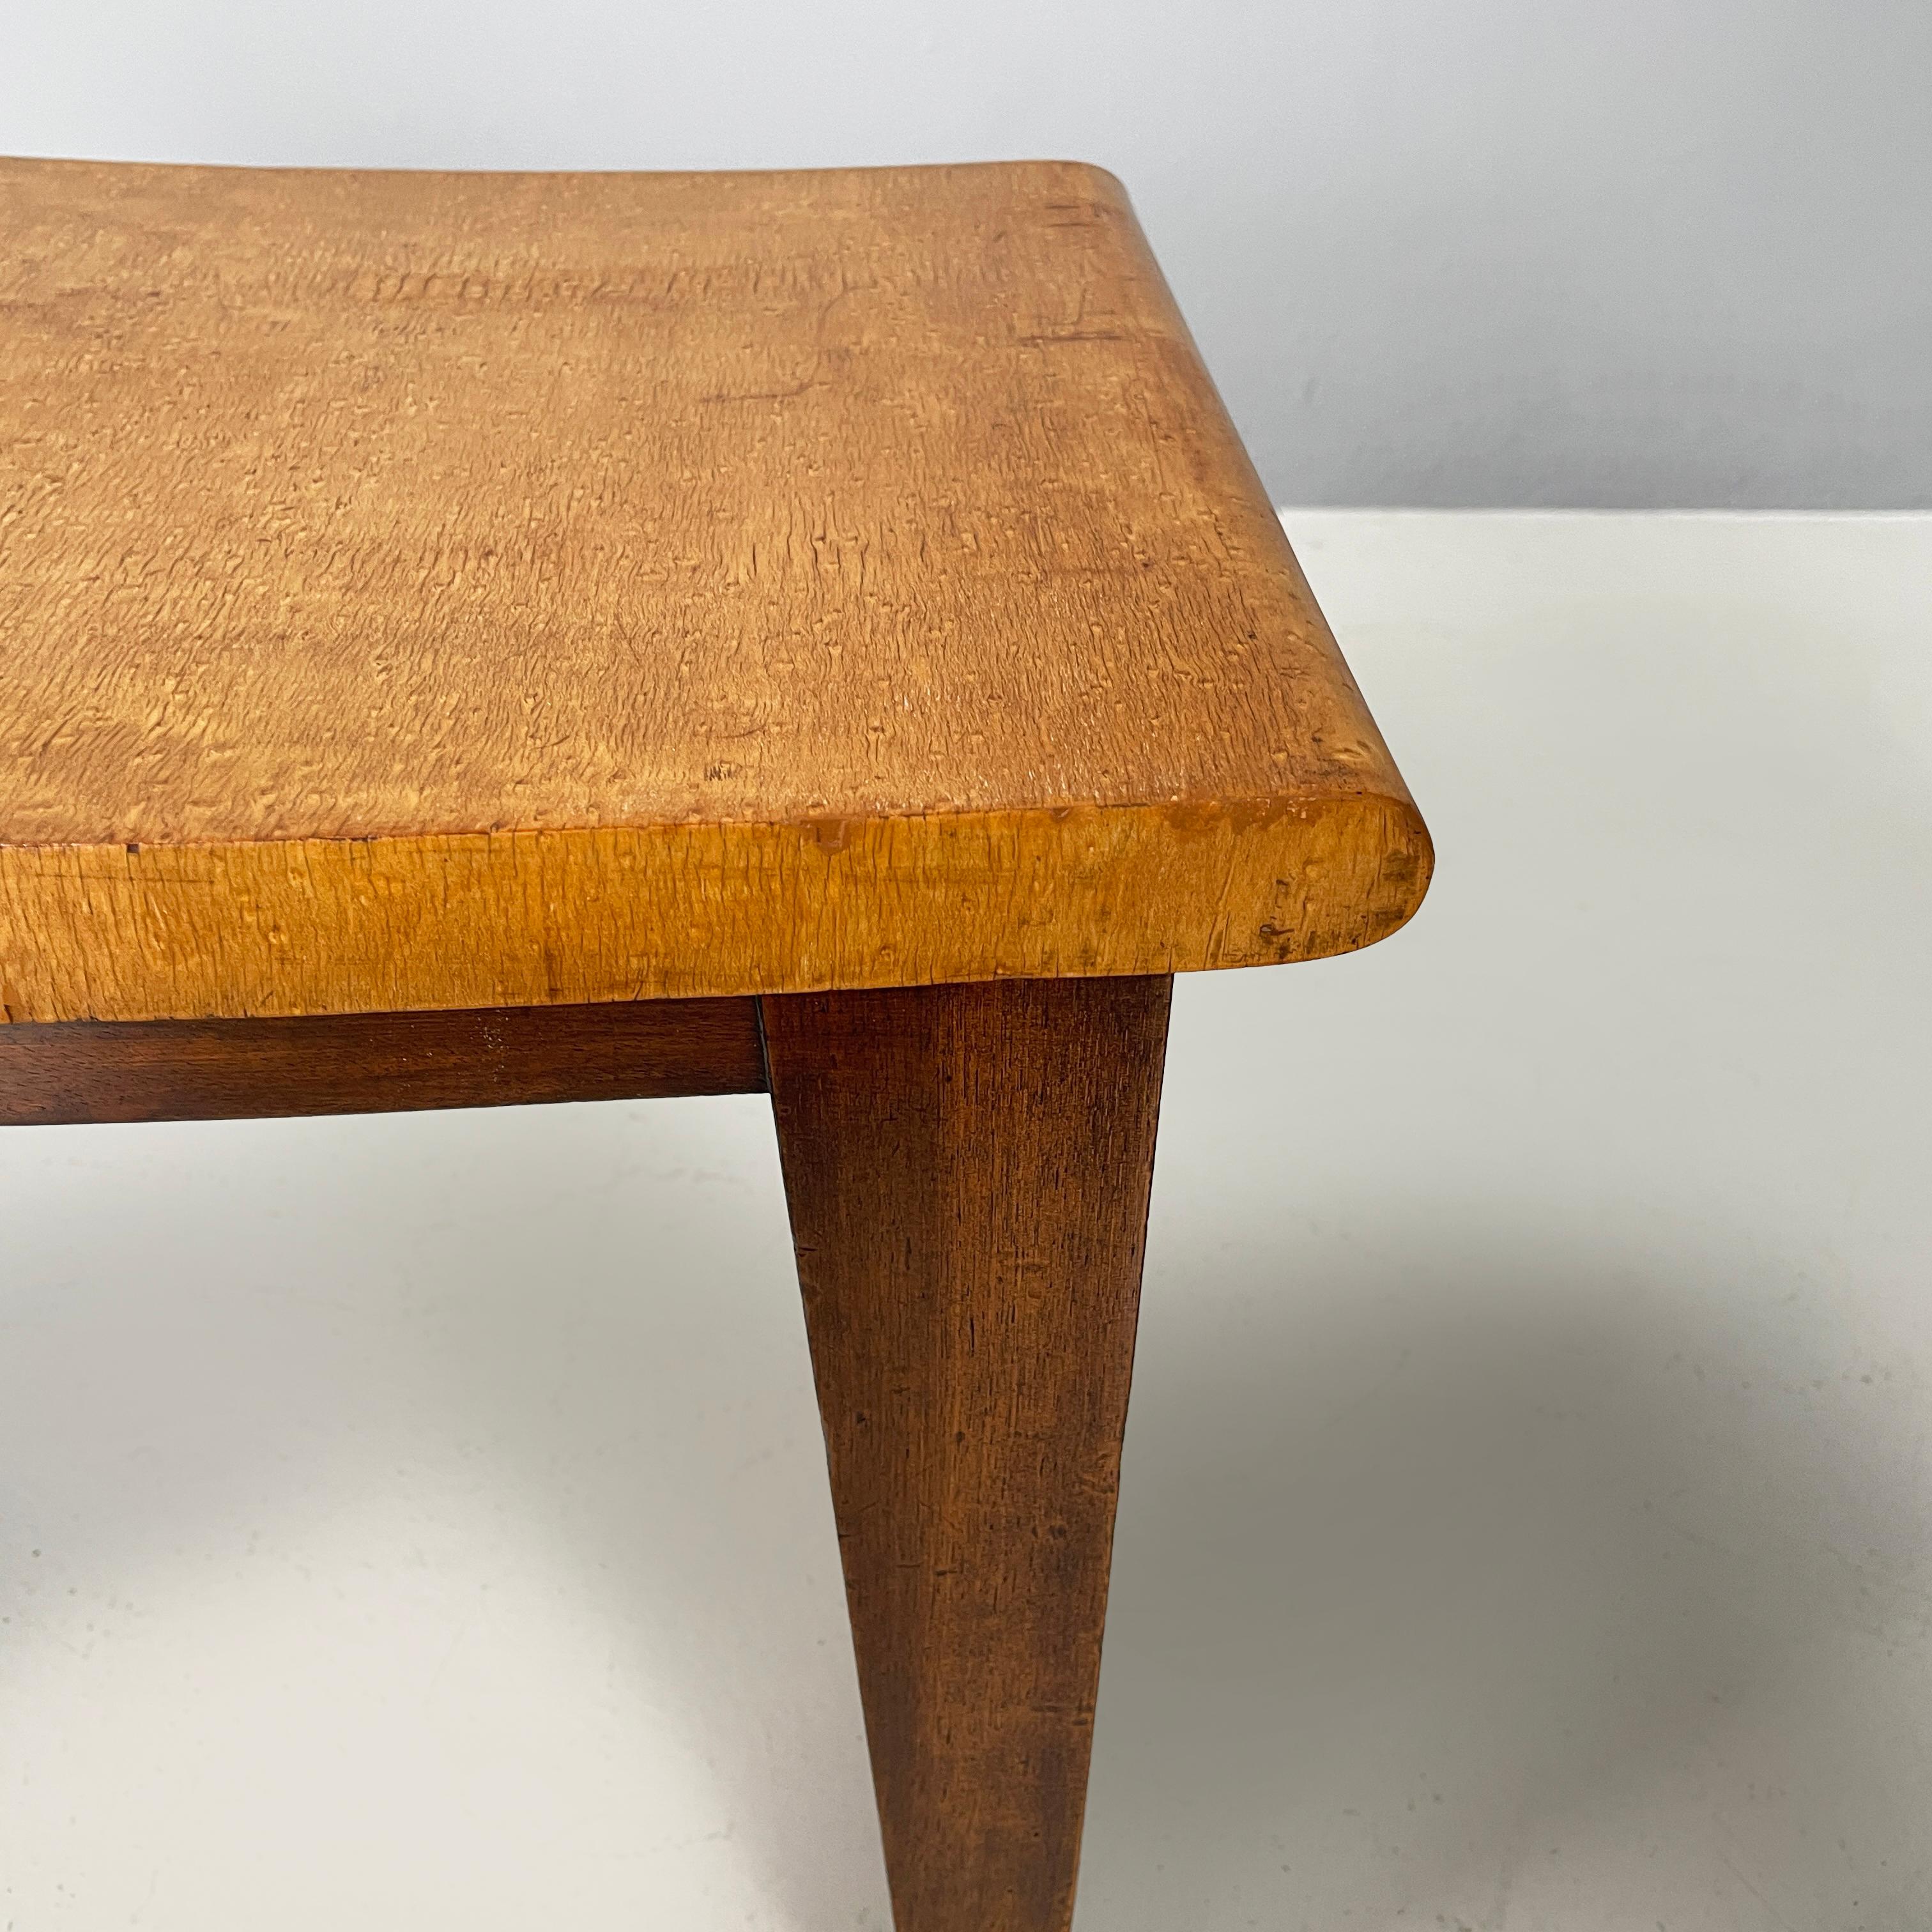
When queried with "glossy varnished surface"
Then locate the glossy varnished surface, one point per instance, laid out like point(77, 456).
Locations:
point(430, 590)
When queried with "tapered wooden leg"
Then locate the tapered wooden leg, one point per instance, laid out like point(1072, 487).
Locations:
point(967, 1168)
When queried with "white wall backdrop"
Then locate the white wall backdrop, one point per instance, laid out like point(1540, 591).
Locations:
point(1541, 252)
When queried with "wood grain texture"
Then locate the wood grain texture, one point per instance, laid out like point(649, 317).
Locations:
point(968, 1170)
point(429, 590)
point(78, 1070)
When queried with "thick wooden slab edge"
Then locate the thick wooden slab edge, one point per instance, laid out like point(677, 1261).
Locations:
point(93, 1070)
point(552, 918)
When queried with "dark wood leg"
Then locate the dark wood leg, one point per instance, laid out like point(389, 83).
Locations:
point(967, 1168)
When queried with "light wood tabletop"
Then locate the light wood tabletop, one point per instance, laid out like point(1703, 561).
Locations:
point(450, 591)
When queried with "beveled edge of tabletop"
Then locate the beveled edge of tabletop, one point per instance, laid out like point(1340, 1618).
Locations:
point(547, 918)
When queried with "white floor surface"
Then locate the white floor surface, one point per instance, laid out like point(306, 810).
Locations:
point(419, 1522)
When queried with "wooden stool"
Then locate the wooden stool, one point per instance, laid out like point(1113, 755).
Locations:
point(474, 639)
